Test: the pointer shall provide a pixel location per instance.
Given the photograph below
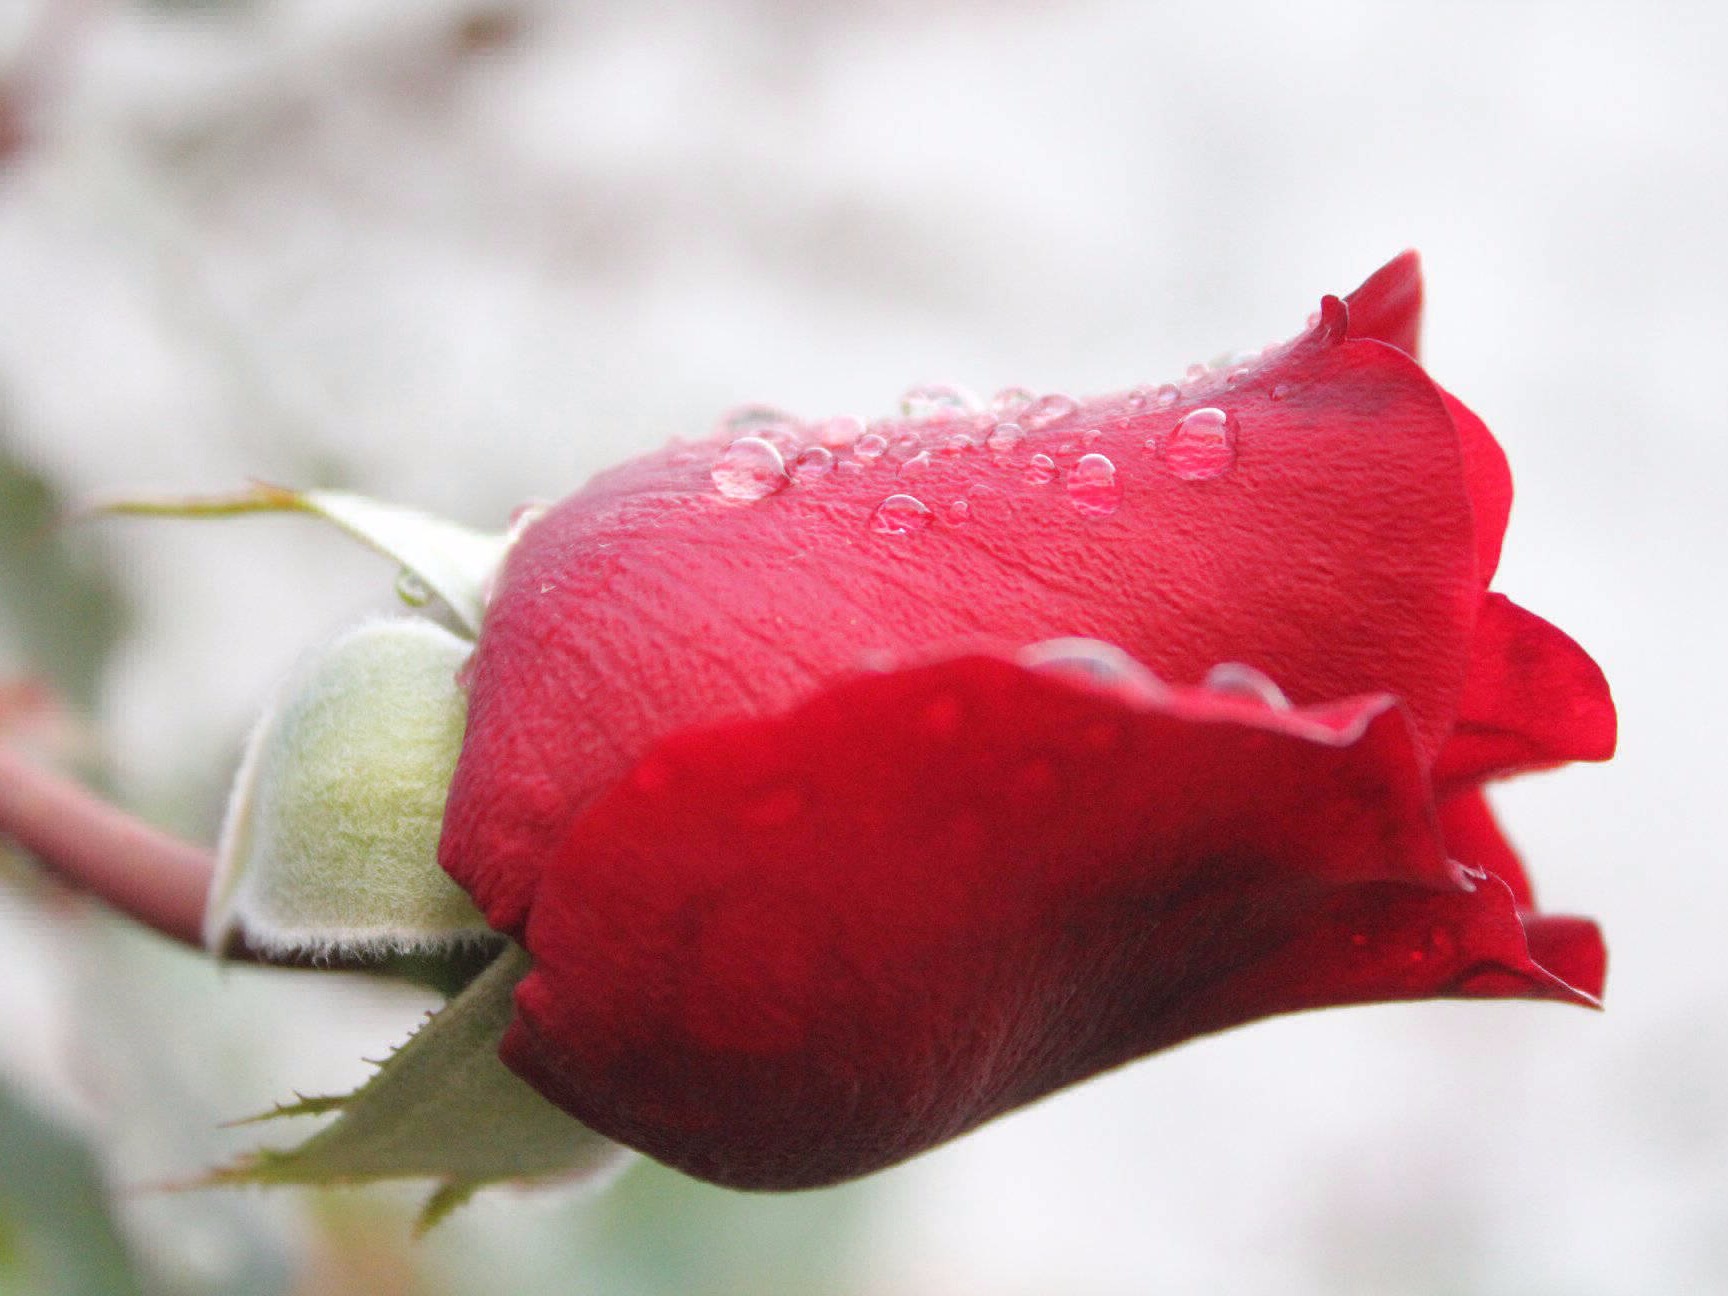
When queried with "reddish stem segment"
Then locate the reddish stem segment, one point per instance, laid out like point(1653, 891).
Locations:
point(144, 873)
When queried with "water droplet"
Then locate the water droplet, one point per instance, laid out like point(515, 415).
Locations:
point(1093, 487)
point(742, 420)
point(904, 447)
point(1195, 372)
point(1050, 409)
point(900, 515)
point(1279, 391)
point(751, 469)
point(936, 401)
point(1238, 680)
point(411, 589)
point(959, 443)
point(916, 464)
point(959, 512)
point(842, 430)
point(1167, 396)
point(1010, 401)
point(1203, 445)
point(1003, 438)
point(1137, 399)
point(1041, 468)
point(815, 462)
point(870, 446)
point(1466, 875)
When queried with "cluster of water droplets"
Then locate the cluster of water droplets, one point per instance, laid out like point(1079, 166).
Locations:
point(1036, 434)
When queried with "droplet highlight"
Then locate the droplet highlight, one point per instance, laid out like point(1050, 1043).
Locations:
point(411, 589)
point(1093, 487)
point(750, 469)
point(815, 462)
point(900, 515)
point(1040, 469)
point(1003, 438)
point(870, 446)
point(1050, 409)
point(1203, 445)
point(930, 402)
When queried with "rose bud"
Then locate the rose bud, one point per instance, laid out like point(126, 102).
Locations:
point(849, 786)
point(844, 786)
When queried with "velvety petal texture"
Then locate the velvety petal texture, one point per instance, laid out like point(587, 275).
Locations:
point(823, 857)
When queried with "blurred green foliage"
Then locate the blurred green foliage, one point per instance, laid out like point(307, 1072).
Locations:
point(57, 1234)
point(59, 607)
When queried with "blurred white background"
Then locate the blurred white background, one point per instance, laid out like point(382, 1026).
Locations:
point(463, 254)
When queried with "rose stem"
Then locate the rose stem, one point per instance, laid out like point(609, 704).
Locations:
point(143, 872)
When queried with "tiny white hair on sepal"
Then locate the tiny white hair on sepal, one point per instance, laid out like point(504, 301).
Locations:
point(330, 843)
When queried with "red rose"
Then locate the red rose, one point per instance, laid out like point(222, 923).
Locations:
point(825, 853)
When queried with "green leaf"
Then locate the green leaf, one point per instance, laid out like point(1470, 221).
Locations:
point(437, 556)
point(444, 1107)
point(331, 838)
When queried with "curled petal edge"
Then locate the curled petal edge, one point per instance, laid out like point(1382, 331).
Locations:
point(814, 906)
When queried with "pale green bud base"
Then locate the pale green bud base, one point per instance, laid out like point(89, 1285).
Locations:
point(330, 852)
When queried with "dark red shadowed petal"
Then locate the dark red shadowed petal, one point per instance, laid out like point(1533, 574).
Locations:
point(1473, 837)
point(1336, 554)
point(787, 951)
point(1388, 305)
point(1533, 698)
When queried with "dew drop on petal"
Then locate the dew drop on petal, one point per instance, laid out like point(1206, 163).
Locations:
point(905, 447)
point(842, 430)
point(916, 464)
point(1002, 438)
point(959, 512)
point(934, 401)
point(1167, 396)
point(1041, 468)
point(1235, 679)
point(870, 446)
point(1203, 445)
point(1010, 401)
point(750, 469)
point(815, 462)
point(1279, 391)
point(900, 515)
point(746, 419)
point(1466, 875)
point(959, 443)
point(1195, 372)
point(411, 589)
point(1050, 409)
point(1137, 399)
point(1092, 486)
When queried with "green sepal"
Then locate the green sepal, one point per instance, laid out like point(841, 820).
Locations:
point(330, 845)
point(442, 1106)
point(454, 562)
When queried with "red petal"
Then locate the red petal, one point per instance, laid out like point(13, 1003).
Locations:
point(1571, 948)
point(1473, 837)
point(1533, 698)
point(1336, 556)
point(787, 951)
point(1488, 478)
point(1388, 305)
